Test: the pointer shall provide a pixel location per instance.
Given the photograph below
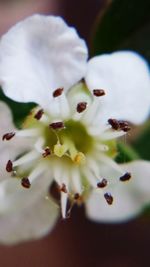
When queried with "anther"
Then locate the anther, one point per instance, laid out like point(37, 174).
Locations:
point(25, 182)
point(114, 124)
point(39, 114)
point(102, 184)
point(119, 125)
point(8, 136)
point(124, 126)
point(76, 196)
point(9, 166)
point(81, 107)
point(98, 92)
point(57, 125)
point(47, 152)
point(58, 92)
point(125, 177)
point(108, 198)
point(63, 188)
point(79, 158)
point(126, 129)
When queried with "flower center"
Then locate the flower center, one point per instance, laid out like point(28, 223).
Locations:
point(68, 138)
point(70, 148)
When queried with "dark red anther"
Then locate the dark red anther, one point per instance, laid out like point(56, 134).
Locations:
point(63, 188)
point(57, 125)
point(123, 123)
point(25, 182)
point(108, 198)
point(39, 114)
point(126, 129)
point(58, 92)
point(124, 126)
point(47, 152)
point(102, 184)
point(76, 196)
point(9, 166)
point(114, 124)
point(119, 125)
point(125, 177)
point(98, 92)
point(81, 106)
point(8, 136)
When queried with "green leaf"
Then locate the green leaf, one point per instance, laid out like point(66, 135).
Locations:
point(142, 143)
point(19, 110)
point(124, 24)
point(125, 153)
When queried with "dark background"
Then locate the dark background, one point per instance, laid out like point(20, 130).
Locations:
point(77, 242)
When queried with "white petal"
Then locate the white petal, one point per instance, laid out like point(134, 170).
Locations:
point(9, 149)
point(140, 182)
point(39, 55)
point(123, 208)
point(129, 197)
point(25, 213)
point(31, 223)
point(125, 78)
point(14, 197)
point(6, 121)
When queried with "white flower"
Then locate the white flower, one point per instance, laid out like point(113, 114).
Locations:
point(71, 134)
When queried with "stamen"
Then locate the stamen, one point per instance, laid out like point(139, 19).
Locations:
point(28, 132)
point(101, 148)
point(64, 199)
point(25, 182)
point(97, 131)
point(125, 177)
point(39, 145)
point(63, 108)
point(57, 173)
point(102, 184)
point(47, 152)
point(8, 136)
point(57, 125)
point(58, 92)
point(76, 196)
point(110, 135)
point(39, 114)
point(64, 195)
point(79, 158)
point(68, 209)
point(108, 198)
point(124, 126)
point(9, 166)
point(110, 162)
point(114, 124)
point(98, 92)
point(94, 167)
point(81, 106)
point(119, 125)
point(89, 116)
point(63, 188)
point(38, 171)
point(90, 177)
point(76, 181)
point(26, 158)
